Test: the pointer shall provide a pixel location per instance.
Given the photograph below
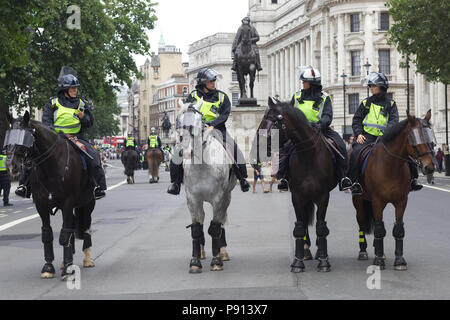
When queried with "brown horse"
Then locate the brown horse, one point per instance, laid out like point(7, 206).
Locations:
point(387, 180)
point(154, 158)
point(129, 160)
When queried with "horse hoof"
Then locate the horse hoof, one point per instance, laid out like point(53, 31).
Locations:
point(47, 275)
point(202, 255)
point(62, 266)
point(88, 264)
point(323, 266)
point(224, 255)
point(363, 256)
point(216, 264)
point(308, 255)
point(400, 264)
point(195, 269)
point(297, 266)
point(379, 261)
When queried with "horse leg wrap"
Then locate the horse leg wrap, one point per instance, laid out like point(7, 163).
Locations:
point(362, 241)
point(299, 235)
point(215, 231)
point(197, 237)
point(65, 239)
point(322, 232)
point(399, 234)
point(47, 240)
point(223, 240)
point(379, 234)
point(87, 239)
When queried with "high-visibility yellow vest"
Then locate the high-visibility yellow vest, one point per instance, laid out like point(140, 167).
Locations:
point(153, 141)
point(209, 110)
point(375, 122)
point(130, 142)
point(312, 113)
point(66, 119)
point(2, 163)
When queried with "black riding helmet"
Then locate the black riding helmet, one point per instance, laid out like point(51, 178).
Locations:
point(377, 79)
point(67, 81)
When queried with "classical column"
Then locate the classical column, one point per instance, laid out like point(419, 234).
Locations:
point(292, 69)
point(332, 54)
point(368, 38)
point(282, 71)
point(297, 63)
point(277, 72)
point(308, 51)
point(340, 41)
point(323, 54)
point(286, 72)
point(272, 74)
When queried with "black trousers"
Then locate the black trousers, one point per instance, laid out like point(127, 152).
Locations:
point(5, 185)
point(95, 164)
point(239, 167)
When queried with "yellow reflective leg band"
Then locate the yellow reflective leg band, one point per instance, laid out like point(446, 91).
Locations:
point(361, 239)
point(304, 238)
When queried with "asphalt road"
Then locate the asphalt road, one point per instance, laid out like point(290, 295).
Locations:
point(142, 249)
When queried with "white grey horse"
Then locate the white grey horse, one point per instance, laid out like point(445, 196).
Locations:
point(208, 177)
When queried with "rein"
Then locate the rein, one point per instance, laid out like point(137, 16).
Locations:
point(410, 159)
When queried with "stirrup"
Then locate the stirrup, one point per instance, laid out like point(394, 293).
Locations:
point(283, 185)
point(356, 189)
point(345, 184)
point(415, 185)
point(99, 193)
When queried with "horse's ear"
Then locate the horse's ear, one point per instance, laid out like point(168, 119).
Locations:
point(271, 102)
point(26, 117)
point(428, 116)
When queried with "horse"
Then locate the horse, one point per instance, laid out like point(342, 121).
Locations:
point(387, 180)
point(58, 180)
point(154, 158)
point(129, 160)
point(246, 61)
point(311, 177)
point(208, 177)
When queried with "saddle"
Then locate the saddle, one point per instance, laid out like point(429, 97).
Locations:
point(332, 147)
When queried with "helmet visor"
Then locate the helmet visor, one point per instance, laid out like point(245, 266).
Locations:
point(211, 75)
point(372, 78)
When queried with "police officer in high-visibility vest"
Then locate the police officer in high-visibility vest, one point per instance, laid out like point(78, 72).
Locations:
point(373, 116)
point(316, 106)
point(216, 108)
point(5, 181)
point(153, 139)
point(71, 115)
point(130, 143)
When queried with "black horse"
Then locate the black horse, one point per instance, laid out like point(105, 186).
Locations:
point(311, 177)
point(129, 160)
point(58, 181)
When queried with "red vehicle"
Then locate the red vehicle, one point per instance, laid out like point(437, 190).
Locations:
point(115, 141)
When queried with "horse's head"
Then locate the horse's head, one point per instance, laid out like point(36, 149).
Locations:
point(421, 142)
point(19, 141)
point(191, 123)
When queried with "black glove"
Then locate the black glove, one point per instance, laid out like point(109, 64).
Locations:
point(322, 126)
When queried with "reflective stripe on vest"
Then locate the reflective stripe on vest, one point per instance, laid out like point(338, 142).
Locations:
point(375, 123)
point(153, 141)
point(312, 113)
point(130, 142)
point(210, 110)
point(2, 163)
point(66, 119)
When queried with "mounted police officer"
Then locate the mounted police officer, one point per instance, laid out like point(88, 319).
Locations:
point(373, 116)
point(153, 140)
point(5, 181)
point(71, 115)
point(130, 143)
point(316, 106)
point(216, 108)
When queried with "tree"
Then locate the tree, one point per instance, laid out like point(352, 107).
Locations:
point(421, 29)
point(100, 51)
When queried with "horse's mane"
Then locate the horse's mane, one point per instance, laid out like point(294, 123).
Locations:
point(297, 117)
point(394, 131)
point(42, 127)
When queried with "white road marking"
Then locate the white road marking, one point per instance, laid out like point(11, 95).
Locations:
point(18, 221)
point(445, 190)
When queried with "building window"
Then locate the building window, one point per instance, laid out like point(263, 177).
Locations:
point(390, 95)
point(356, 63)
point(234, 76)
point(234, 98)
point(354, 22)
point(274, 1)
point(384, 21)
point(353, 103)
point(384, 61)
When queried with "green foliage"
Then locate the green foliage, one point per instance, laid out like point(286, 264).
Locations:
point(100, 51)
point(421, 30)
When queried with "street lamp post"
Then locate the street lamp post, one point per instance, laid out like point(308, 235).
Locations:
point(447, 153)
point(367, 66)
point(30, 89)
point(407, 84)
point(343, 76)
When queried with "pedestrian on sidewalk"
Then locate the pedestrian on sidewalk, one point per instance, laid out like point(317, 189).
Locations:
point(439, 158)
point(258, 174)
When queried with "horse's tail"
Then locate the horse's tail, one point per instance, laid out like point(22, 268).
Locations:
point(82, 222)
point(309, 213)
point(368, 216)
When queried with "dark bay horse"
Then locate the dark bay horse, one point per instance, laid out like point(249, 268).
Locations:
point(129, 160)
point(154, 158)
point(311, 178)
point(387, 180)
point(246, 61)
point(58, 180)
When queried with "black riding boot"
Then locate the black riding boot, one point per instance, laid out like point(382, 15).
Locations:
point(283, 165)
point(99, 191)
point(415, 185)
point(176, 177)
point(24, 190)
point(240, 170)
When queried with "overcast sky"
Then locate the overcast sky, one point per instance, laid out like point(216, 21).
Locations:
point(182, 22)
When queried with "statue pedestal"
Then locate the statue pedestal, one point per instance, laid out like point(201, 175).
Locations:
point(247, 102)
